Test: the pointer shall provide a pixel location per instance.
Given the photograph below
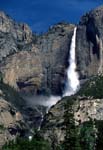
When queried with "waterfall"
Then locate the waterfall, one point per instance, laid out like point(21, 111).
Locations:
point(72, 83)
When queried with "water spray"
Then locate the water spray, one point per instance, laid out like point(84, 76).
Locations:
point(72, 84)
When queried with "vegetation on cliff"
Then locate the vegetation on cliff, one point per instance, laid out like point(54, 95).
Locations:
point(37, 143)
point(93, 88)
point(10, 94)
point(45, 70)
point(71, 139)
point(86, 135)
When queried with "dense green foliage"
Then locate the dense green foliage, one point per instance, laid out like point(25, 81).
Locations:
point(78, 137)
point(93, 88)
point(87, 135)
point(25, 144)
point(71, 138)
point(2, 127)
point(99, 139)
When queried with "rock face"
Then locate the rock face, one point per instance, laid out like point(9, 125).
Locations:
point(88, 108)
point(11, 122)
point(23, 70)
point(53, 127)
point(38, 63)
point(13, 36)
point(54, 49)
point(90, 46)
point(84, 109)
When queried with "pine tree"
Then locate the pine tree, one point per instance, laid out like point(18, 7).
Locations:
point(72, 137)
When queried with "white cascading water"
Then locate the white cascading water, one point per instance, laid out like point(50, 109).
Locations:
point(72, 84)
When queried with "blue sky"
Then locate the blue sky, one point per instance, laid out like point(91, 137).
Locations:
point(40, 14)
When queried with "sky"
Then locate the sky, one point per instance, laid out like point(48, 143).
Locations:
point(40, 14)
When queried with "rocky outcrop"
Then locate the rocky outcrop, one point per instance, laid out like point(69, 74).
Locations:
point(31, 113)
point(84, 109)
point(11, 122)
point(53, 127)
point(13, 36)
point(89, 43)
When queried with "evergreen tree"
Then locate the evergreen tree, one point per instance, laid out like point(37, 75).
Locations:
point(72, 134)
point(87, 135)
point(99, 139)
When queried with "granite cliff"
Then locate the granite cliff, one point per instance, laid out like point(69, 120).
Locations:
point(36, 64)
point(90, 45)
point(45, 57)
point(12, 123)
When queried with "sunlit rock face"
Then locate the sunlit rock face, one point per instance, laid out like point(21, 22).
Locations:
point(84, 109)
point(36, 65)
point(19, 31)
point(23, 71)
point(53, 49)
point(13, 36)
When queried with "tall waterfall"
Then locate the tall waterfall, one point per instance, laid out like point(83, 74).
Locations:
point(72, 83)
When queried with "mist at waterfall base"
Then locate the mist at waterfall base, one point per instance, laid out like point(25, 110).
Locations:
point(42, 103)
point(41, 100)
point(72, 82)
